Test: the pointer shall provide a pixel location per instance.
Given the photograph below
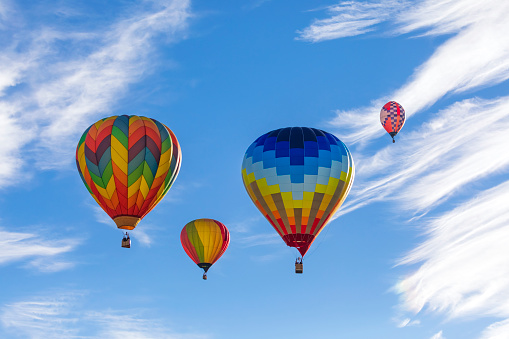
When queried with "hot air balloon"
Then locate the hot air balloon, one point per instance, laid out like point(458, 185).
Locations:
point(298, 177)
point(392, 117)
point(128, 164)
point(205, 241)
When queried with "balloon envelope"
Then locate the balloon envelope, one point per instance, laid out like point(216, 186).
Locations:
point(392, 117)
point(205, 241)
point(298, 177)
point(128, 164)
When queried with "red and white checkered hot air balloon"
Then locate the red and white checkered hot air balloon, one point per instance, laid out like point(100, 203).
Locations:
point(392, 117)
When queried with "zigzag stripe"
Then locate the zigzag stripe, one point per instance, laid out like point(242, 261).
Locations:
point(125, 163)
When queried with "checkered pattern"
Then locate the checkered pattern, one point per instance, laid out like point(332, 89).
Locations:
point(298, 177)
point(392, 117)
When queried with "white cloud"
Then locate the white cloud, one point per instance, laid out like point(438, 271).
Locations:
point(474, 57)
point(260, 240)
point(350, 18)
point(407, 322)
point(438, 336)
point(62, 316)
point(445, 155)
point(40, 318)
point(497, 330)
point(54, 96)
point(42, 253)
point(464, 262)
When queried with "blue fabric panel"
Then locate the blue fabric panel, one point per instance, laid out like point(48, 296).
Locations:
point(285, 187)
point(323, 143)
point(269, 159)
point(297, 195)
point(283, 170)
point(261, 140)
point(283, 162)
point(310, 170)
point(258, 154)
point(296, 138)
point(324, 160)
point(311, 161)
point(282, 149)
point(297, 178)
point(270, 144)
point(284, 179)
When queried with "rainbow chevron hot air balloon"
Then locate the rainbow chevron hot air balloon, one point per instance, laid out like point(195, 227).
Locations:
point(128, 164)
point(205, 241)
point(298, 177)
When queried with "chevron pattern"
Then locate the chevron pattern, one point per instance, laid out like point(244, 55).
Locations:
point(128, 164)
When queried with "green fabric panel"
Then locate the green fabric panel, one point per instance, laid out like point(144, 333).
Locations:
point(97, 180)
point(117, 133)
point(136, 162)
point(135, 175)
point(195, 240)
point(166, 145)
point(147, 173)
point(108, 173)
point(105, 160)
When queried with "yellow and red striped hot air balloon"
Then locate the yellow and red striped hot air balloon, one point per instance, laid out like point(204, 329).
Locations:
point(128, 164)
point(205, 241)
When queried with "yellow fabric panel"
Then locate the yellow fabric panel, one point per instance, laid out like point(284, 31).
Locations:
point(287, 199)
point(134, 188)
point(320, 188)
point(297, 204)
point(274, 189)
point(110, 188)
point(144, 187)
point(263, 187)
point(250, 178)
point(332, 186)
point(119, 153)
point(210, 236)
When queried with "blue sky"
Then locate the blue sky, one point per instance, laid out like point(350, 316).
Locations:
point(418, 250)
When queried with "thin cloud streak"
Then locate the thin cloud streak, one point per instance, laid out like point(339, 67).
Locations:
point(17, 246)
point(62, 316)
point(350, 18)
point(54, 104)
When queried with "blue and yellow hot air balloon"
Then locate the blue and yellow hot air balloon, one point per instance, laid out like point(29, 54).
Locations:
point(298, 177)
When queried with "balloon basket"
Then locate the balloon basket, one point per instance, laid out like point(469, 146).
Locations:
point(299, 268)
point(126, 242)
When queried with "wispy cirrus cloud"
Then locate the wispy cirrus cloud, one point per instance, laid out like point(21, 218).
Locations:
point(475, 56)
point(63, 316)
point(497, 330)
point(458, 150)
point(51, 95)
point(443, 156)
point(464, 262)
point(439, 335)
point(42, 254)
point(350, 18)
